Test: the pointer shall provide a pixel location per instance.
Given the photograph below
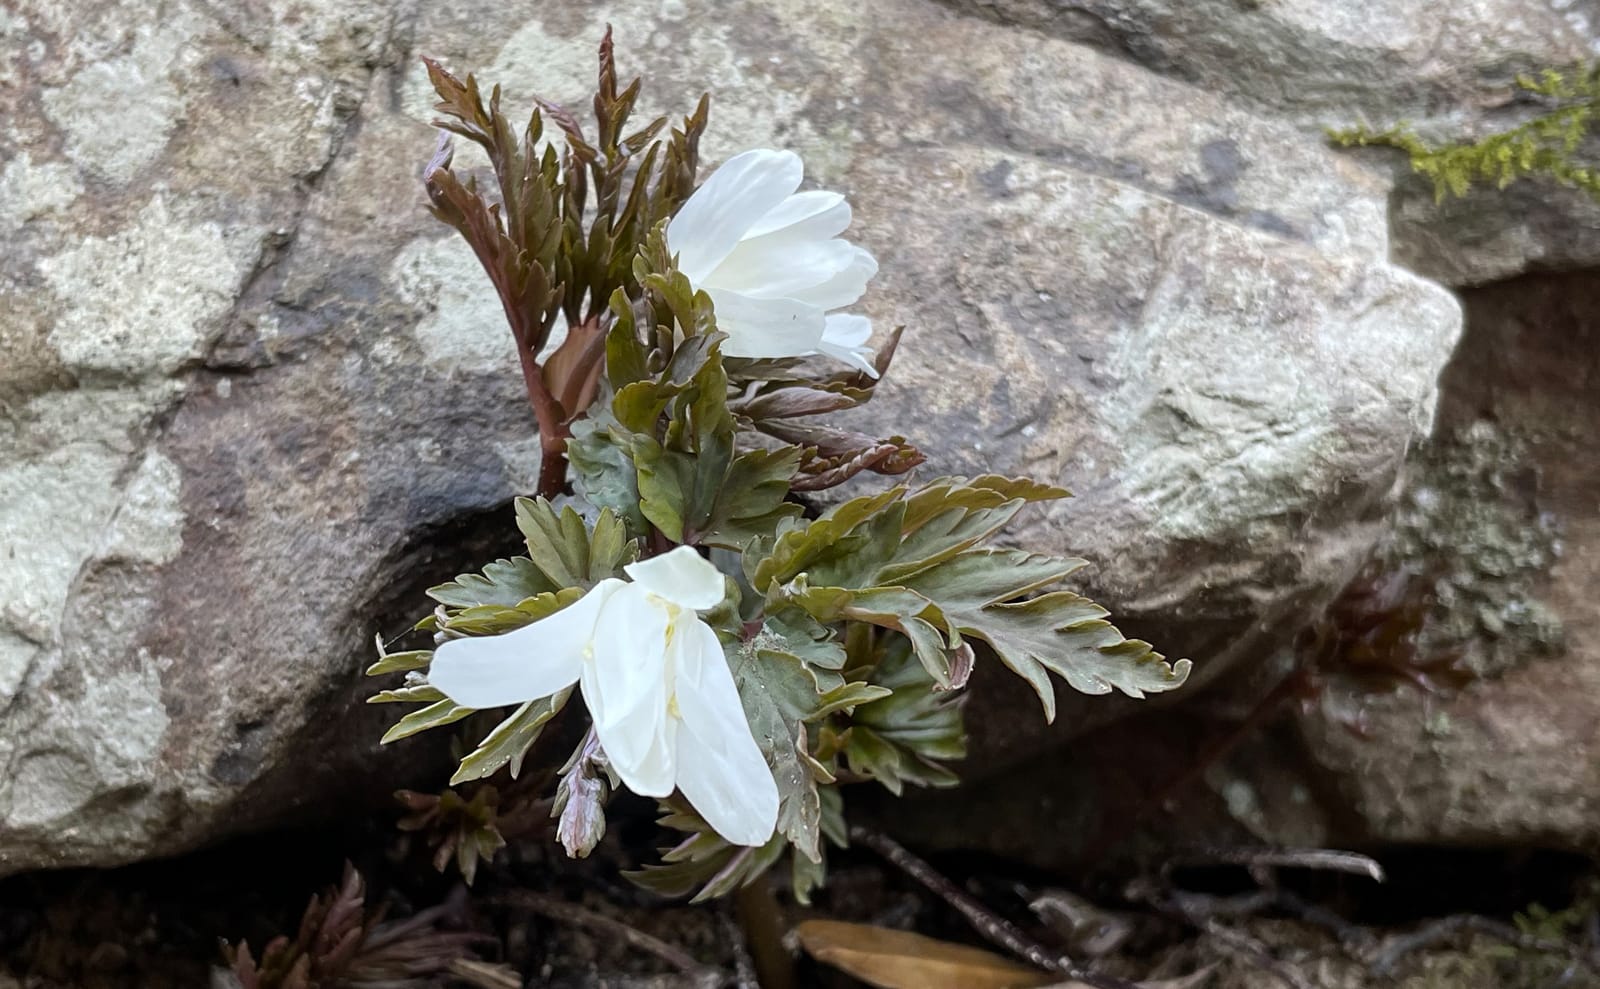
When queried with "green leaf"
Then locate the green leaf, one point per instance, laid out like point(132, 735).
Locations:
point(750, 502)
point(625, 353)
point(566, 551)
point(1059, 632)
point(407, 695)
point(808, 875)
point(435, 715)
point(951, 515)
point(399, 662)
point(905, 737)
point(703, 864)
point(683, 475)
point(946, 658)
point(503, 582)
point(497, 619)
point(509, 741)
point(638, 406)
point(603, 469)
point(796, 633)
point(979, 594)
point(781, 693)
point(832, 536)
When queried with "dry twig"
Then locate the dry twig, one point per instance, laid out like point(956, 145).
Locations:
point(996, 929)
point(1254, 859)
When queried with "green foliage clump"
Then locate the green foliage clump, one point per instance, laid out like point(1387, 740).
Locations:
point(1545, 146)
point(849, 636)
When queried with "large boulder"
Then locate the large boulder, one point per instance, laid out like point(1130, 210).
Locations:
point(1498, 523)
point(256, 399)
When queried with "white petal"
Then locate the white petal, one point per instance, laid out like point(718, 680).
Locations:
point(805, 215)
point(682, 576)
point(625, 686)
point(766, 327)
point(720, 768)
point(534, 661)
point(824, 273)
point(845, 287)
point(727, 204)
point(845, 337)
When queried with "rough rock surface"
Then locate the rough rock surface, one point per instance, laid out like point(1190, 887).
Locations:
point(1448, 70)
point(1502, 509)
point(1511, 758)
point(251, 392)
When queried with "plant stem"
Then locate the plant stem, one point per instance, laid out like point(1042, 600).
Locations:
point(763, 931)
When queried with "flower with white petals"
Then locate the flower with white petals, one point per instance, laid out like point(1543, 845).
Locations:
point(654, 676)
point(772, 261)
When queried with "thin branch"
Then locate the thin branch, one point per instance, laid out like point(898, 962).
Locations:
point(996, 929)
point(1320, 859)
point(1448, 927)
point(484, 975)
point(570, 913)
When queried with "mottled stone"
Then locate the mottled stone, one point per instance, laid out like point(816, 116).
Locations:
point(256, 399)
point(1511, 759)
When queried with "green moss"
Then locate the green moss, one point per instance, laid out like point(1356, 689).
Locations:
point(1547, 145)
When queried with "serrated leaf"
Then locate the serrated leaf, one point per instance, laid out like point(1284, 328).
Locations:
point(976, 595)
point(830, 536)
point(874, 541)
point(407, 695)
point(566, 551)
point(846, 697)
point(603, 469)
point(781, 693)
point(750, 501)
point(400, 662)
point(807, 875)
point(703, 864)
point(942, 653)
point(1060, 632)
point(496, 619)
point(684, 475)
point(435, 715)
point(950, 515)
point(503, 582)
point(794, 632)
point(905, 737)
point(509, 741)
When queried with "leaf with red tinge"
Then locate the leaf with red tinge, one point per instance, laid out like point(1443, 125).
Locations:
point(891, 959)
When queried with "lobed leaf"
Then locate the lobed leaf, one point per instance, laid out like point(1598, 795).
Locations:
point(508, 743)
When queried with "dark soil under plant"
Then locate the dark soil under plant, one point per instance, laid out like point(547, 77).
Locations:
point(162, 924)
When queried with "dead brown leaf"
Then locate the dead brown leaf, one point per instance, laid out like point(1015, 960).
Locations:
point(891, 959)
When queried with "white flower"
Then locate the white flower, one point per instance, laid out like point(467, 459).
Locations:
point(654, 676)
point(772, 261)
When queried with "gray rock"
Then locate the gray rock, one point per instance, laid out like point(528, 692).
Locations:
point(1365, 56)
point(1448, 70)
point(1500, 516)
point(256, 399)
point(1509, 759)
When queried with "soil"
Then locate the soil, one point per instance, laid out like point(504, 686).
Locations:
point(163, 924)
